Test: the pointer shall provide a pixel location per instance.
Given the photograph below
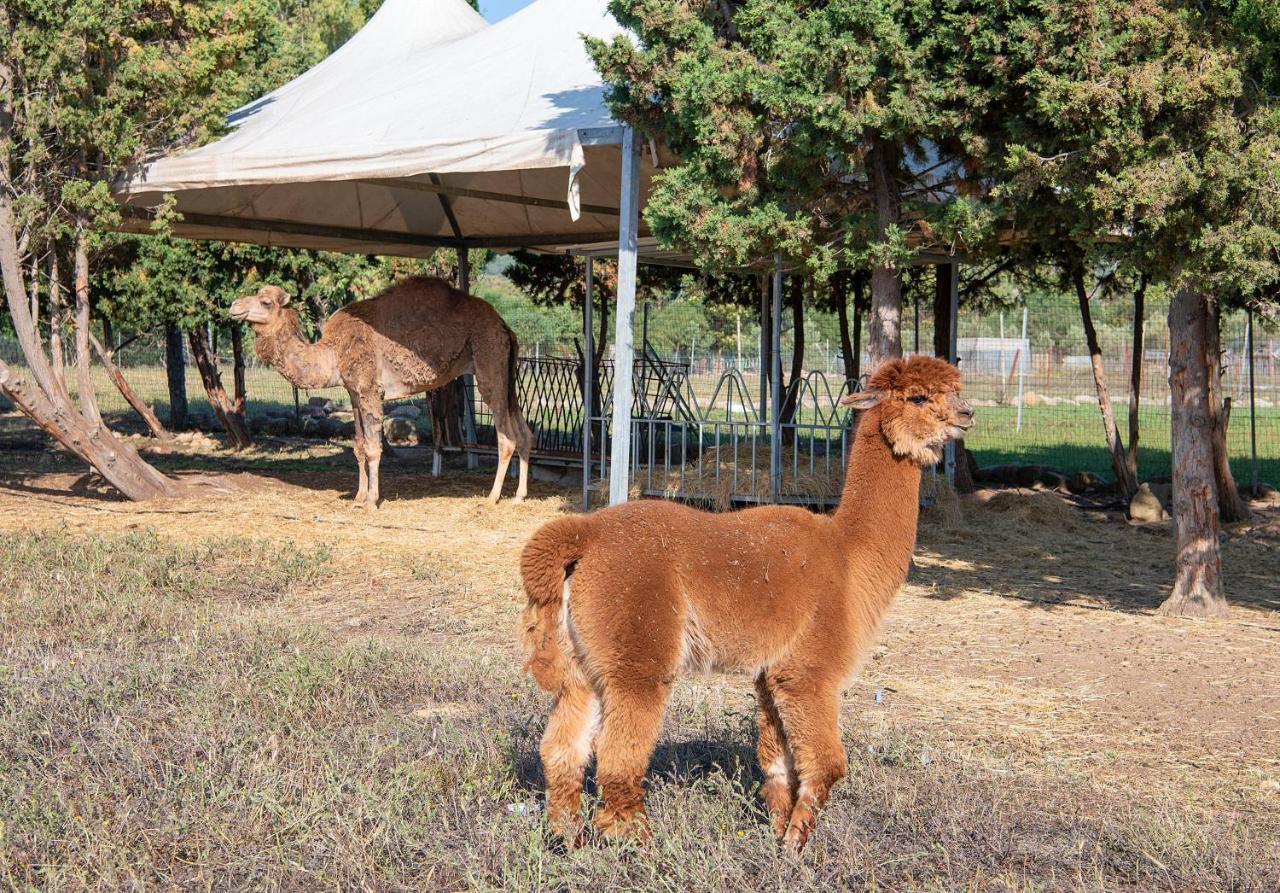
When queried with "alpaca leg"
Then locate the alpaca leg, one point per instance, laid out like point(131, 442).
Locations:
point(566, 750)
point(632, 720)
point(811, 717)
point(362, 492)
point(776, 760)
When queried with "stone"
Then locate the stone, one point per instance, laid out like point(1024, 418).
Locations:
point(1028, 475)
point(1163, 491)
point(1145, 507)
point(997, 474)
point(1082, 481)
point(405, 411)
point(277, 425)
point(1052, 479)
point(400, 431)
point(1267, 494)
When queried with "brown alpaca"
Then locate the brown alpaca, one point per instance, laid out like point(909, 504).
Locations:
point(622, 600)
point(416, 336)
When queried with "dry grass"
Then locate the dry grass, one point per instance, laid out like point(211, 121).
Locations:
point(269, 690)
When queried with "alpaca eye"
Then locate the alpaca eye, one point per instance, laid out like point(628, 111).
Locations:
point(918, 400)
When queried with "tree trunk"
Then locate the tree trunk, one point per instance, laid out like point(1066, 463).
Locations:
point(1125, 481)
point(86, 396)
point(46, 403)
point(34, 286)
point(117, 461)
point(766, 344)
point(1135, 375)
point(886, 281)
point(1231, 505)
point(232, 422)
point(175, 362)
point(840, 287)
point(1197, 583)
point(942, 311)
point(237, 367)
point(139, 405)
point(859, 289)
point(791, 395)
point(59, 376)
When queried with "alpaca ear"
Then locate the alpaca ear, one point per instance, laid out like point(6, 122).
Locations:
point(862, 400)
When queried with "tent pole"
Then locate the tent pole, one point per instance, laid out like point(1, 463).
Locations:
point(624, 346)
point(775, 385)
point(588, 381)
point(468, 381)
point(953, 356)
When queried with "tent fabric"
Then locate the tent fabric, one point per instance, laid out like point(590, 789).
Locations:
point(428, 127)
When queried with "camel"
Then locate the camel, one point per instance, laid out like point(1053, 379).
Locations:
point(622, 600)
point(418, 335)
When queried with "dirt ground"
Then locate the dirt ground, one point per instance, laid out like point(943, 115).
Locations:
point(1025, 639)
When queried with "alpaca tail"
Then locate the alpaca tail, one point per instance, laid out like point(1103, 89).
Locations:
point(545, 565)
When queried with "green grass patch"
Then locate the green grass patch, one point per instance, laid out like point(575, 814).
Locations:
point(159, 730)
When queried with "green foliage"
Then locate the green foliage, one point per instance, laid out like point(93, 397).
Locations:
point(771, 108)
point(1142, 135)
point(97, 84)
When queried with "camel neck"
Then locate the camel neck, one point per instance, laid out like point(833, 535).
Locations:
point(880, 504)
point(283, 347)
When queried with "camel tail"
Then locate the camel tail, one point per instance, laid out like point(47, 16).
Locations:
point(513, 363)
point(545, 565)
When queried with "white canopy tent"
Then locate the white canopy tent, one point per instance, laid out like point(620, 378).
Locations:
point(430, 128)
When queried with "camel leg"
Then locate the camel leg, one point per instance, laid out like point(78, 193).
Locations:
point(505, 448)
point(491, 368)
point(362, 492)
point(776, 760)
point(632, 720)
point(437, 434)
point(371, 411)
point(566, 750)
point(810, 714)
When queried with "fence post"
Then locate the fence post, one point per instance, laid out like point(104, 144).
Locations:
point(588, 381)
point(775, 385)
point(1022, 366)
point(953, 356)
point(1253, 415)
point(468, 381)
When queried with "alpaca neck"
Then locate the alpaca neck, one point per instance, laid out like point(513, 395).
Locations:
point(880, 506)
point(281, 345)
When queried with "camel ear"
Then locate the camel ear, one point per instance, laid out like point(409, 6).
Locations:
point(283, 297)
point(862, 400)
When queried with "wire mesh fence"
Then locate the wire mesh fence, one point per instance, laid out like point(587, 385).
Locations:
point(701, 396)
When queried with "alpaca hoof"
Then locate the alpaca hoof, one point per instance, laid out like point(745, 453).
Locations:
point(615, 829)
point(795, 839)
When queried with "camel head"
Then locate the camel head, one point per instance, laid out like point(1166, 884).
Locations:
point(261, 309)
point(920, 407)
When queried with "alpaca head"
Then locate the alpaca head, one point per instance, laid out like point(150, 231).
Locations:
point(920, 407)
point(262, 309)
